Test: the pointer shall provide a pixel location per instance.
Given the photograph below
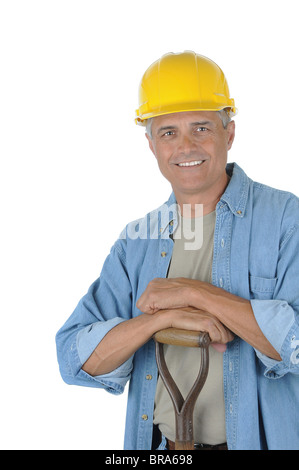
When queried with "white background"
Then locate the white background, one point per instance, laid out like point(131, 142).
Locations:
point(75, 169)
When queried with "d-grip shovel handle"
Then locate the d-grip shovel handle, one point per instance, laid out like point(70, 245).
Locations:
point(183, 408)
point(177, 337)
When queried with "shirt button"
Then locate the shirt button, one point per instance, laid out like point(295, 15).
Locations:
point(148, 377)
point(222, 243)
point(144, 417)
point(163, 254)
point(221, 282)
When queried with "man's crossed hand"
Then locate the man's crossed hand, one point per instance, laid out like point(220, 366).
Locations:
point(184, 301)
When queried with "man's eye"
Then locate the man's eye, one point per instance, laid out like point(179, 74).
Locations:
point(201, 129)
point(168, 133)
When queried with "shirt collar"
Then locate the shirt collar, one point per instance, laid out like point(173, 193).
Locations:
point(236, 193)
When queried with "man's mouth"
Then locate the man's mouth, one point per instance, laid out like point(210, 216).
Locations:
point(194, 163)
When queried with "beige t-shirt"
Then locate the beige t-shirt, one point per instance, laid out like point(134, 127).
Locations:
point(183, 362)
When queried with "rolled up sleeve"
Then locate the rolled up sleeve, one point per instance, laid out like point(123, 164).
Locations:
point(87, 340)
point(277, 321)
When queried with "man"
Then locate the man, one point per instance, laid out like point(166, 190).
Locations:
point(239, 284)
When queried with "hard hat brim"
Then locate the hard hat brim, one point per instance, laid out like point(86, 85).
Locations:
point(140, 120)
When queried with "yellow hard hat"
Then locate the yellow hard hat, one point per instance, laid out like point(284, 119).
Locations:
point(182, 82)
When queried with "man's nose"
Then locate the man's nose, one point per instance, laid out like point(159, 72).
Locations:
point(186, 144)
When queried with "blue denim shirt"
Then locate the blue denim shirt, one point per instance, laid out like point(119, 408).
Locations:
point(256, 256)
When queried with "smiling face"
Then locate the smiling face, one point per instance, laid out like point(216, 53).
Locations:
point(191, 150)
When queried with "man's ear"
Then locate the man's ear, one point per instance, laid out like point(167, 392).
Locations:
point(231, 127)
point(150, 143)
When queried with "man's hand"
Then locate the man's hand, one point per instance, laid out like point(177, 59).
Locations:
point(173, 297)
point(162, 294)
point(189, 318)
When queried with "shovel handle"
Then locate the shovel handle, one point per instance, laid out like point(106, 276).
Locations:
point(187, 338)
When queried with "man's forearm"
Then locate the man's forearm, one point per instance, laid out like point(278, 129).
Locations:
point(236, 314)
point(121, 342)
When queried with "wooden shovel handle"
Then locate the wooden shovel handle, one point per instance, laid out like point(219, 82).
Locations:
point(178, 337)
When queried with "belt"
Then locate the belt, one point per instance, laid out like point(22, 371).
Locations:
point(223, 446)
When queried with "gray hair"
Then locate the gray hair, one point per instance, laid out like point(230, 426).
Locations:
point(223, 114)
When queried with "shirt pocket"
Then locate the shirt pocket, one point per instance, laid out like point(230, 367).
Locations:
point(262, 288)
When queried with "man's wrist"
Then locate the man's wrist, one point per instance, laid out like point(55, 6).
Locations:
point(207, 297)
point(196, 298)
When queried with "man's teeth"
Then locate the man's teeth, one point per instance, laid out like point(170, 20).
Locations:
point(190, 163)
